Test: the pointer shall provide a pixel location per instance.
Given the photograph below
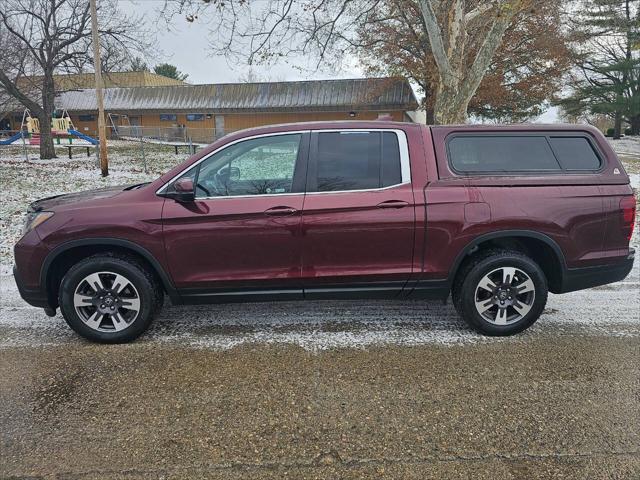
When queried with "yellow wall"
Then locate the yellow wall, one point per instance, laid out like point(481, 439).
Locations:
point(238, 121)
point(202, 131)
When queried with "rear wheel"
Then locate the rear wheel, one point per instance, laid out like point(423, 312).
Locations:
point(109, 298)
point(500, 292)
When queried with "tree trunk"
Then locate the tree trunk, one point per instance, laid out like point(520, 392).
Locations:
point(431, 119)
point(47, 150)
point(635, 125)
point(458, 81)
point(617, 126)
point(449, 108)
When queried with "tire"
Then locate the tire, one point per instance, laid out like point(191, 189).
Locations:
point(110, 298)
point(500, 292)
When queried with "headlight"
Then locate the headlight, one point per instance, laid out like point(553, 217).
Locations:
point(33, 219)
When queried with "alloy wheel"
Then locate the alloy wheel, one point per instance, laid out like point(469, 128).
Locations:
point(504, 295)
point(106, 301)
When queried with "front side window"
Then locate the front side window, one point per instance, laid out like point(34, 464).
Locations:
point(357, 160)
point(260, 166)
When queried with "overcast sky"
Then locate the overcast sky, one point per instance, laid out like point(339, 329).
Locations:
point(185, 45)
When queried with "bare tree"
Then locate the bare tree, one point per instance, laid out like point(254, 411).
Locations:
point(251, 76)
point(463, 35)
point(46, 37)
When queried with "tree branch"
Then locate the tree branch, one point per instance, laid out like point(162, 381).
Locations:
point(435, 38)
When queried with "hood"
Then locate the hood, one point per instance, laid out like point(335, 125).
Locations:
point(51, 203)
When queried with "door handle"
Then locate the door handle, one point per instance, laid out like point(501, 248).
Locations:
point(280, 211)
point(393, 204)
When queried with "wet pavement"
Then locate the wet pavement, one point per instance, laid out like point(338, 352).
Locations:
point(326, 390)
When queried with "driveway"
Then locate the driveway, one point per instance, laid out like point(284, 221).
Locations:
point(326, 390)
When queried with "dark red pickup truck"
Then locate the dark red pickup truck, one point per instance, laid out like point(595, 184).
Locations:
point(494, 216)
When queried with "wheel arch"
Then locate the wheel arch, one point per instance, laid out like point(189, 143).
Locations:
point(540, 247)
point(61, 258)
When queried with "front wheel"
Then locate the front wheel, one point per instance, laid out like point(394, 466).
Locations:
point(109, 298)
point(500, 292)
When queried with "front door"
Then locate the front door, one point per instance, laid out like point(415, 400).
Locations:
point(358, 218)
point(219, 122)
point(136, 129)
point(242, 235)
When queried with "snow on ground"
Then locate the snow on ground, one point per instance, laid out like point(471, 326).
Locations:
point(24, 181)
point(628, 146)
point(628, 149)
point(611, 311)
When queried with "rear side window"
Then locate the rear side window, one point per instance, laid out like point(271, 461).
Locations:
point(352, 160)
point(521, 153)
point(509, 153)
point(575, 153)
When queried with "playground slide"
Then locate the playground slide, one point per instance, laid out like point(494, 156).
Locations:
point(89, 139)
point(11, 139)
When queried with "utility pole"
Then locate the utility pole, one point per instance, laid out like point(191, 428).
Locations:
point(102, 135)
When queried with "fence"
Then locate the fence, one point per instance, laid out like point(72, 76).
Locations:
point(176, 134)
point(152, 149)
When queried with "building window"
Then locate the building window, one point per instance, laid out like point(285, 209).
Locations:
point(168, 117)
point(86, 118)
point(195, 117)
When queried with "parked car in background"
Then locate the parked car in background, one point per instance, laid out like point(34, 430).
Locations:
point(496, 217)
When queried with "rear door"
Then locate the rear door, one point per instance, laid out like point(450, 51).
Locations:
point(358, 217)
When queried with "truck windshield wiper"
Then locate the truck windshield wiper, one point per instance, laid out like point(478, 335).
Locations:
point(136, 186)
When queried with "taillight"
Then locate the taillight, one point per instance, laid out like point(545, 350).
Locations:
point(628, 207)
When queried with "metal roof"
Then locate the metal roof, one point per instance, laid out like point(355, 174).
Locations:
point(313, 95)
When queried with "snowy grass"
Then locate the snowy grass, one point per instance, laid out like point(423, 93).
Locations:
point(628, 149)
point(23, 181)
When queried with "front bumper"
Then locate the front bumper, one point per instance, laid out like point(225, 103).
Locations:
point(37, 297)
point(588, 277)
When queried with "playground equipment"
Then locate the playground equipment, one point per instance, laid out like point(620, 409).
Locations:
point(61, 128)
point(10, 140)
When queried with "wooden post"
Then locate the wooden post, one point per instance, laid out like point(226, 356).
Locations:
point(144, 158)
point(102, 134)
point(24, 145)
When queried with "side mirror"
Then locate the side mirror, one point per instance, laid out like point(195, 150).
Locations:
point(234, 174)
point(229, 174)
point(184, 190)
